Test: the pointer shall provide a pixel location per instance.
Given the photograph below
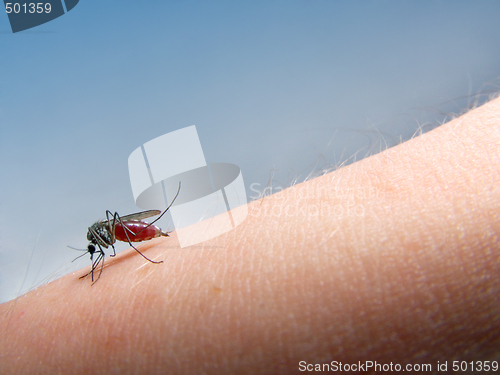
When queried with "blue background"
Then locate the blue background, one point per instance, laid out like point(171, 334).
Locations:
point(282, 88)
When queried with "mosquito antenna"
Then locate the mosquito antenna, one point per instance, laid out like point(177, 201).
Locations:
point(74, 248)
point(163, 213)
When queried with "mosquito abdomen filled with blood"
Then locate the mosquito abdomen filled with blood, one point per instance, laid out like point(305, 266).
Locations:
point(137, 227)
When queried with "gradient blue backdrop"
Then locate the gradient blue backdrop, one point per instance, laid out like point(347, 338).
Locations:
point(284, 86)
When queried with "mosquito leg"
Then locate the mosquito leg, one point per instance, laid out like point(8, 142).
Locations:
point(91, 260)
point(144, 256)
point(111, 229)
point(130, 243)
point(164, 212)
point(100, 257)
point(112, 226)
point(116, 217)
point(94, 265)
point(97, 240)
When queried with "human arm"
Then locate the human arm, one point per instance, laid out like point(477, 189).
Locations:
point(392, 259)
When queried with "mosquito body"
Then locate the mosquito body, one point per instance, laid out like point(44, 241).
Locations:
point(130, 228)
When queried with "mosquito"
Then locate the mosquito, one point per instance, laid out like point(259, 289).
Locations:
point(129, 228)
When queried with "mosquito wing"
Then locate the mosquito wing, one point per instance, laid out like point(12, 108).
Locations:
point(140, 215)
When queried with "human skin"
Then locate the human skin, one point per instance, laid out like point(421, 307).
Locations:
point(394, 258)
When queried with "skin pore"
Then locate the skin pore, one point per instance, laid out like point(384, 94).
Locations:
point(394, 258)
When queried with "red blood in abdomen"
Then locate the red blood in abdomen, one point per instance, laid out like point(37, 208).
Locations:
point(136, 226)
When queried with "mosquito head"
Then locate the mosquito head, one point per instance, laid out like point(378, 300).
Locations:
point(91, 248)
